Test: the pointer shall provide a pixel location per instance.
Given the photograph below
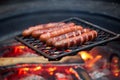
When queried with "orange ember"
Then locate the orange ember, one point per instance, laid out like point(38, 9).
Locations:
point(19, 49)
point(37, 68)
point(115, 60)
point(116, 74)
point(91, 62)
point(89, 59)
point(51, 70)
point(85, 55)
point(73, 72)
point(25, 70)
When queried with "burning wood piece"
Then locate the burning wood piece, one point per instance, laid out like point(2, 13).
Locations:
point(69, 59)
point(13, 60)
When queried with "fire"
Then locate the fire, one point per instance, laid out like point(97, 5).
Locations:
point(26, 70)
point(51, 70)
point(85, 55)
point(23, 70)
point(71, 71)
point(19, 49)
point(91, 62)
point(37, 68)
point(89, 59)
point(74, 72)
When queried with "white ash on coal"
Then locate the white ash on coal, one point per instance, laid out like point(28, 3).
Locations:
point(32, 77)
point(62, 76)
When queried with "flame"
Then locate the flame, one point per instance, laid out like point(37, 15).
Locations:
point(19, 49)
point(23, 70)
point(89, 59)
point(91, 62)
point(74, 72)
point(85, 55)
point(51, 70)
point(37, 68)
point(26, 70)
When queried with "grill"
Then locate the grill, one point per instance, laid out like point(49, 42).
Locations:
point(52, 53)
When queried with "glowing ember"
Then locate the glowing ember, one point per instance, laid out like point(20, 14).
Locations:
point(51, 72)
point(89, 59)
point(116, 74)
point(27, 70)
point(19, 49)
point(115, 60)
point(115, 68)
point(37, 68)
point(74, 72)
point(23, 71)
point(85, 55)
point(93, 61)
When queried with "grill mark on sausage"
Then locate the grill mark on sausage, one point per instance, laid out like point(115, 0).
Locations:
point(77, 39)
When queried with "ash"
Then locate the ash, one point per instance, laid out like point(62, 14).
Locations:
point(33, 77)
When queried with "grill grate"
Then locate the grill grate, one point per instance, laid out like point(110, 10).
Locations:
point(52, 53)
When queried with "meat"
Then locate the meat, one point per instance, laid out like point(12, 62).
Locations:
point(51, 41)
point(37, 33)
point(77, 40)
point(68, 28)
point(27, 32)
point(60, 34)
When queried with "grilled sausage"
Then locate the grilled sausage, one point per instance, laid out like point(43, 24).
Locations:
point(51, 41)
point(27, 32)
point(77, 40)
point(68, 28)
point(37, 33)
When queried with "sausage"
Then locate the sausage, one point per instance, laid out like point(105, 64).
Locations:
point(37, 33)
point(51, 41)
point(27, 32)
point(68, 28)
point(77, 40)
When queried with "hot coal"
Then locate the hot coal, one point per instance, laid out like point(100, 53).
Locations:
point(100, 71)
point(104, 64)
point(39, 72)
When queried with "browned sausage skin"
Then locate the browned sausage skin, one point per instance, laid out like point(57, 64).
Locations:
point(77, 40)
point(51, 41)
point(27, 32)
point(68, 28)
point(37, 33)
